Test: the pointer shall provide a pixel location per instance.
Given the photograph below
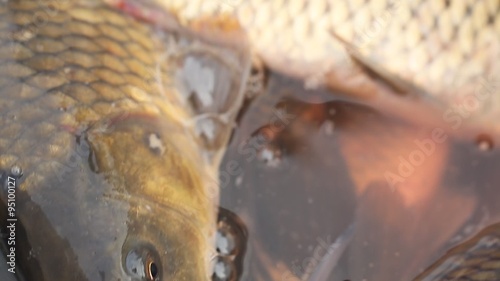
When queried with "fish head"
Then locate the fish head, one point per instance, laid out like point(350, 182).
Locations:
point(155, 168)
point(167, 247)
point(134, 205)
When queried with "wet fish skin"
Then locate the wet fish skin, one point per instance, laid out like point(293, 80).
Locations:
point(113, 181)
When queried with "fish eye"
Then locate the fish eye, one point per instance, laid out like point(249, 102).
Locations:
point(143, 263)
point(152, 270)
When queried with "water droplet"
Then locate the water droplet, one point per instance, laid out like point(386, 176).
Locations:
point(225, 241)
point(208, 129)
point(238, 181)
point(223, 270)
point(16, 171)
point(328, 127)
point(155, 143)
point(270, 155)
point(484, 142)
point(26, 35)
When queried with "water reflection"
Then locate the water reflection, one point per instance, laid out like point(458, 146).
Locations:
point(306, 166)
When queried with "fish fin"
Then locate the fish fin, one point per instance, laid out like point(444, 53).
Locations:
point(384, 225)
point(394, 241)
point(379, 73)
point(333, 255)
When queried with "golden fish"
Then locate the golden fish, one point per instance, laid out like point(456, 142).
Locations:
point(109, 145)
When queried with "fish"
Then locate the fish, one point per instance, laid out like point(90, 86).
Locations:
point(432, 62)
point(475, 259)
point(93, 137)
point(111, 134)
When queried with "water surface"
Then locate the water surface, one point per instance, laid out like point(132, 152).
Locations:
point(303, 165)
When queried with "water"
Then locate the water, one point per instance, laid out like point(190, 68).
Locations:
point(303, 166)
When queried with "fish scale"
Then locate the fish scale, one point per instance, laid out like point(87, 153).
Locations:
point(115, 175)
point(401, 36)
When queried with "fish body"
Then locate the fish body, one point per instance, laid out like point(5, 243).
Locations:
point(429, 61)
point(110, 148)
